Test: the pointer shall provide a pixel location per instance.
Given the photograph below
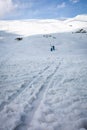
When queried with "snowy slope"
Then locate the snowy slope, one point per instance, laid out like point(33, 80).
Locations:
point(33, 27)
point(40, 89)
point(79, 21)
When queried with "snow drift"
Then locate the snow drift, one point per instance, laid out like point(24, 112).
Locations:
point(40, 89)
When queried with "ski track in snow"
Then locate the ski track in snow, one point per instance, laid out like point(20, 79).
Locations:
point(21, 89)
point(62, 104)
point(31, 93)
point(27, 119)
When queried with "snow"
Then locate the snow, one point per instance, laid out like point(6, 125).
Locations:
point(40, 89)
point(33, 27)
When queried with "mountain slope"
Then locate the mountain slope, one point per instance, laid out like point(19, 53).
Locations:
point(42, 89)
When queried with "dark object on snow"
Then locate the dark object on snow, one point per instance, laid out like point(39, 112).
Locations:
point(54, 37)
point(52, 48)
point(19, 38)
point(81, 31)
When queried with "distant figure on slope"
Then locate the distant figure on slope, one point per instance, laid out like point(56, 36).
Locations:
point(52, 48)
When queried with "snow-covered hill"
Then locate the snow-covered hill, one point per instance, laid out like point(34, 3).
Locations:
point(42, 89)
point(79, 21)
point(33, 27)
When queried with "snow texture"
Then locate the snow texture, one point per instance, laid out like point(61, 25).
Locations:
point(40, 89)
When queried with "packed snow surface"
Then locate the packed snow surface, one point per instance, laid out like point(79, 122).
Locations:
point(42, 89)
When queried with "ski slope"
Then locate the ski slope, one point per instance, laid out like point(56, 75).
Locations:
point(40, 89)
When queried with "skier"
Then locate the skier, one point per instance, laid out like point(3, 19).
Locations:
point(53, 47)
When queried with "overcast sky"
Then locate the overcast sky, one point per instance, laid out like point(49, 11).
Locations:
point(33, 9)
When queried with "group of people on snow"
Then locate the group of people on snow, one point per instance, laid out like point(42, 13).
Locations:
point(52, 48)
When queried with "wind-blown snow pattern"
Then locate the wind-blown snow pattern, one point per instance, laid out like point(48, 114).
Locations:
point(42, 89)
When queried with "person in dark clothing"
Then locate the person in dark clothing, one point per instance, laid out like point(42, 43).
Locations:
point(52, 48)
